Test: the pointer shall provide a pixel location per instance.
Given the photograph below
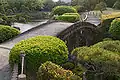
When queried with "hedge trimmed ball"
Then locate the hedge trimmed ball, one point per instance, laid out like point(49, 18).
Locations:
point(38, 50)
point(7, 32)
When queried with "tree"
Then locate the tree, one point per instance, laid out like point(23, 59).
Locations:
point(48, 4)
point(101, 6)
point(110, 3)
point(117, 4)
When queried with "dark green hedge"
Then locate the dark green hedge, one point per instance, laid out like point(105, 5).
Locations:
point(114, 29)
point(39, 50)
point(51, 71)
point(100, 60)
point(7, 32)
point(60, 10)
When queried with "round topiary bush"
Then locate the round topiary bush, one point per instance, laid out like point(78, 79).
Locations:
point(109, 45)
point(99, 60)
point(59, 10)
point(39, 50)
point(7, 32)
point(51, 71)
point(115, 28)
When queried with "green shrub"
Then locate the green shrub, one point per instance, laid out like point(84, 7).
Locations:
point(79, 8)
point(7, 32)
point(101, 60)
point(68, 66)
point(39, 50)
point(115, 28)
point(51, 71)
point(68, 18)
point(107, 39)
point(109, 45)
point(79, 70)
point(73, 14)
point(59, 10)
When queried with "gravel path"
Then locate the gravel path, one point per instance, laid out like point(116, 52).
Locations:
point(50, 29)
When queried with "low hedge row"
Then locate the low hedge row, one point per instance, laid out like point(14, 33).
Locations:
point(7, 32)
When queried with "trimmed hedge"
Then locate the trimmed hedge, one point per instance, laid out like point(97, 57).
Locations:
point(7, 32)
point(114, 29)
point(78, 15)
point(60, 10)
point(38, 50)
point(68, 18)
point(99, 59)
point(51, 71)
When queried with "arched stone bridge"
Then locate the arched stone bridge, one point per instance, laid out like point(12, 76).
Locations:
point(75, 35)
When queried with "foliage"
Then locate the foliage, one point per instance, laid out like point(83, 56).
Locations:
point(52, 71)
point(79, 8)
point(59, 10)
point(22, 5)
point(39, 15)
point(101, 6)
point(79, 70)
point(109, 45)
point(7, 32)
point(48, 5)
point(115, 28)
point(107, 39)
point(69, 18)
point(98, 60)
point(39, 50)
point(117, 4)
point(110, 3)
point(68, 65)
point(78, 15)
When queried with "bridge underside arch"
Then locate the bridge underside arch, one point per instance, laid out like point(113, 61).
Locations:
point(80, 34)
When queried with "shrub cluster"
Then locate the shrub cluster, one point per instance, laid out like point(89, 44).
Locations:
point(69, 17)
point(115, 28)
point(7, 32)
point(60, 10)
point(109, 45)
point(102, 57)
point(51, 71)
point(39, 50)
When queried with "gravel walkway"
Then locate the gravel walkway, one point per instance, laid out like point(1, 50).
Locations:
point(50, 29)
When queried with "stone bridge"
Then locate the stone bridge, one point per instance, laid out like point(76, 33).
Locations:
point(74, 34)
